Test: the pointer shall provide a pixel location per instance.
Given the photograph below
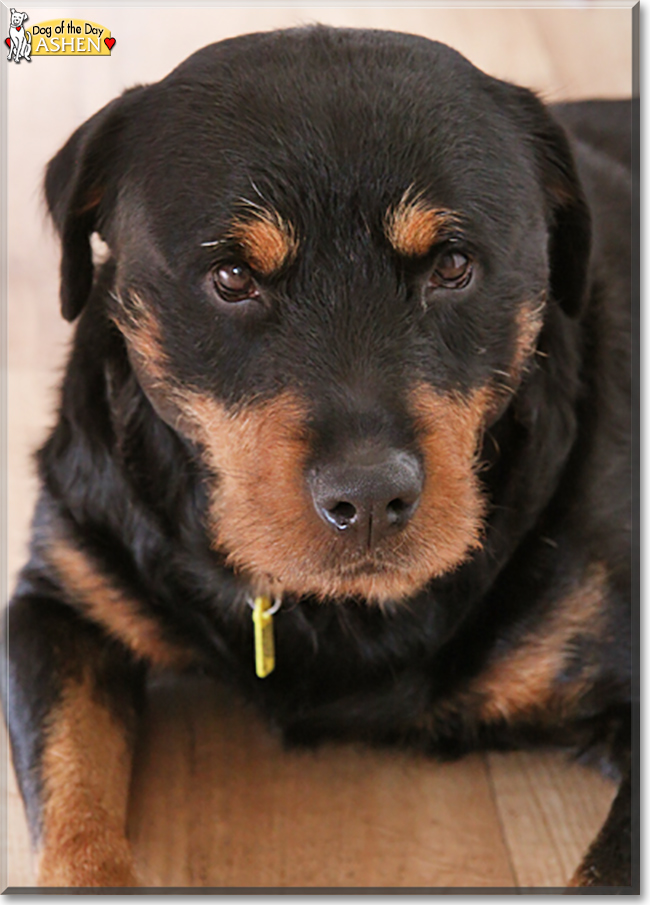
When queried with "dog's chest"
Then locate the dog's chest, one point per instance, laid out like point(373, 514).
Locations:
point(378, 688)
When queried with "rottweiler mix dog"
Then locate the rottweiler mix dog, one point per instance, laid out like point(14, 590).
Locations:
point(357, 365)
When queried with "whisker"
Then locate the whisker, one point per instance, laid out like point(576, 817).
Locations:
point(215, 242)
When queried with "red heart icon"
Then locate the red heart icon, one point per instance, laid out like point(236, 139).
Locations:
point(7, 42)
point(109, 42)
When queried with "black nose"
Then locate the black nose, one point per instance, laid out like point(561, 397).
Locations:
point(369, 494)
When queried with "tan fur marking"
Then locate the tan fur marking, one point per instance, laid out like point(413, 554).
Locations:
point(521, 682)
point(263, 517)
point(260, 511)
point(452, 507)
point(268, 241)
point(142, 330)
point(529, 323)
point(524, 680)
point(86, 769)
point(107, 605)
point(92, 200)
point(413, 226)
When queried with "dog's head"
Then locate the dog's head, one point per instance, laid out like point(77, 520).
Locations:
point(333, 252)
point(17, 18)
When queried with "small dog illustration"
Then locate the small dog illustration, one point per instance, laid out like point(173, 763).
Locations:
point(21, 40)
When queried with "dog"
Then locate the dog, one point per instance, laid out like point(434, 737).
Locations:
point(346, 423)
point(20, 40)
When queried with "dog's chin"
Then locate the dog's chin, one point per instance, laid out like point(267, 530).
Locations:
point(369, 583)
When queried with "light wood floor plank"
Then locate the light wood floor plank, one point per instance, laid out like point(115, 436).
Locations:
point(551, 809)
point(216, 801)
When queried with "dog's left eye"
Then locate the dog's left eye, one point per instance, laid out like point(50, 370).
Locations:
point(234, 283)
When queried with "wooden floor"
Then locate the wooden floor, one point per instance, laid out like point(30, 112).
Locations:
point(215, 801)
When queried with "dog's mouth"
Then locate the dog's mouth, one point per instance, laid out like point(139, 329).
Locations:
point(339, 571)
point(367, 568)
point(368, 583)
point(362, 580)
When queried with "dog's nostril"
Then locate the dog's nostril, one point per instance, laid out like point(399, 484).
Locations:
point(397, 510)
point(343, 514)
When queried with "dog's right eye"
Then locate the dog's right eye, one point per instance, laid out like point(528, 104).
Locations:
point(453, 271)
point(234, 283)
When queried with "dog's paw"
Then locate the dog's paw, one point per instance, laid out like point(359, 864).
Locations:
point(608, 863)
point(614, 877)
point(80, 860)
point(604, 867)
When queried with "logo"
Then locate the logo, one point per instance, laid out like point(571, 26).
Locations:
point(19, 41)
point(57, 38)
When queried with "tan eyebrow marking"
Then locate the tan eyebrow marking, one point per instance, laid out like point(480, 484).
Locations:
point(413, 225)
point(267, 239)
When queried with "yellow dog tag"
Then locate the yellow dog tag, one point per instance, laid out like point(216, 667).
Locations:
point(263, 610)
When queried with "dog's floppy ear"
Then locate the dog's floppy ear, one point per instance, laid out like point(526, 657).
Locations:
point(80, 189)
point(567, 210)
point(570, 227)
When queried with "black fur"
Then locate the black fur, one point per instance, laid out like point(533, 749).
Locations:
point(331, 127)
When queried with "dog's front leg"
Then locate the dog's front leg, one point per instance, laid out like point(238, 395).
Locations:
point(609, 861)
point(71, 698)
